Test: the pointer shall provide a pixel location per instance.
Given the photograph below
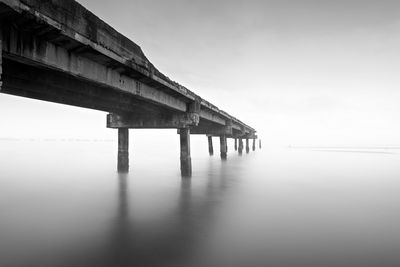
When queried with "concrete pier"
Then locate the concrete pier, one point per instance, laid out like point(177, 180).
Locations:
point(223, 146)
point(210, 145)
point(186, 161)
point(240, 146)
point(235, 144)
point(254, 144)
point(123, 150)
point(247, 145)
point(49, 55)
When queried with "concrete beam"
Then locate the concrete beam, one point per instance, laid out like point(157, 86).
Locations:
point(33, 51)
point(242, 132)
point(243, 135)
point(216, 130)
point(229, 127)
point(64, 36)
point(73, 23)
point(212, 117)
point(48, 85)
point(210, 111)
point(213, 129)
point(152, 121)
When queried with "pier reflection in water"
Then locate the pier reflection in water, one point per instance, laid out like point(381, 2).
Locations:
point(89, 215)
point(266, 208)
point(173, 240)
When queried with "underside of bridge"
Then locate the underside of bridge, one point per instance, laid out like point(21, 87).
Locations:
point(58, 51)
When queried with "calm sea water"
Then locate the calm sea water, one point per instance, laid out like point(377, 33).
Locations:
point(63, 204)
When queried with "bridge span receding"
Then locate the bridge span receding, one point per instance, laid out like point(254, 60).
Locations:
point(58, 51)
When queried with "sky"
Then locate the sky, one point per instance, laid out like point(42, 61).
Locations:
point(302, 72)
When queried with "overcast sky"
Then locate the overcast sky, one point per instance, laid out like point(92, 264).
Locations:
point(299, 71)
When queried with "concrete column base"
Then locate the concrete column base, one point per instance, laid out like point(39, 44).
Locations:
point(186, 161)
point(123, 150)
point(210, 146)
point(240, 146)
point(223, 146)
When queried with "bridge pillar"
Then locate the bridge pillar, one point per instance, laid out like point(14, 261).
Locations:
point(186, 161)
point(228, 126)
point(247, 145)
point(210, 145)
point(240, 146)
point(1, 57)
point(223, 146)
point(254, 144)
point(235, 144)
point(123, 149)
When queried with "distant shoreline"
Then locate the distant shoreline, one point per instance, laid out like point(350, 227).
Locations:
point(13, 139)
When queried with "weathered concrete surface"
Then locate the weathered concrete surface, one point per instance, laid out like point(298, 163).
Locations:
point(240, 146)
point(186, 161)
point(210, 145)
point(62, 38)
point(58, 51)
point(223, 147)
point(123, 150)
point(151, 121)
point(215, 130)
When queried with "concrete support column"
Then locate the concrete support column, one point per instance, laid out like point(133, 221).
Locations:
point(210, 145)
point(123, 149)
point(223, 146)
point(240, 146)
point(186, 161)
point(259, 143)
point(1, 57)
point(254, 144)
point(235, 144)
point(247, 145)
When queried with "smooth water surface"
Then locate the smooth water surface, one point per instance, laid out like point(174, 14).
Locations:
point(63, 204)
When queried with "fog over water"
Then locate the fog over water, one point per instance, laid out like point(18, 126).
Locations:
point(63, 204)
point(319, 81)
